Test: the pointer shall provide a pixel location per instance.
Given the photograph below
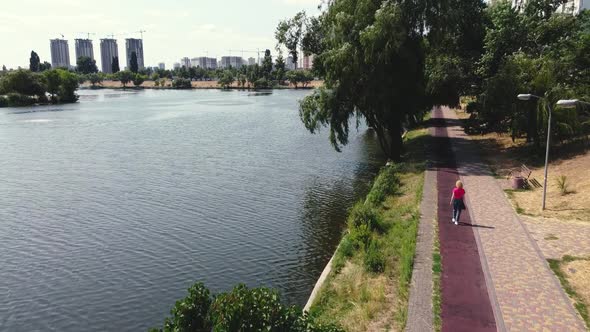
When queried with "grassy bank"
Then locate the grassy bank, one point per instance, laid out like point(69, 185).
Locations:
point(573, 274)
point(368, 287)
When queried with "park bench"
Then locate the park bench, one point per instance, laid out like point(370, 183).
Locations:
point(525, 173)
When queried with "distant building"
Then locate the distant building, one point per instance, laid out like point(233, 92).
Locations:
point(290, 64)
point(108, 51)
point(204, 62)
point(176, 65)
point(134, 45)
point(185, 62)
point(573, 7)
point(231, 61)
point(84, 48)
point(60, 53)
point(162, 66)
point(251, 61)
point(307, 62)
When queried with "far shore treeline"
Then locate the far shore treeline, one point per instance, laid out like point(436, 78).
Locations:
point(41, 84)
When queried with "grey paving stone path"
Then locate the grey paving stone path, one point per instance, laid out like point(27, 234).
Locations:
point(420, 311)
point(526, 294)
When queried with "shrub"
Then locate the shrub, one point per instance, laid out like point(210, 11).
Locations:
point(346, 247)
point(257, 309)
point(182, 83)
point(374, 260)
point(138, 79)
point(562, 184)
point(17, 99)
point(242, 309)
point(360, 236)
point(3, 101)
point(261, 83)
point(192, 312)
point(364, 214)
point(386, 184)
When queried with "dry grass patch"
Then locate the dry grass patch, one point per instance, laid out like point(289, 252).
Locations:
point(570, 161)
point(574, 275)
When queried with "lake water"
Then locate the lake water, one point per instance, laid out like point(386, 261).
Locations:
point(112, 207)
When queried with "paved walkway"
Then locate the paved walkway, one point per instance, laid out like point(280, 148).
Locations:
point(466, 305)
point(558, 238)
point(524, 293)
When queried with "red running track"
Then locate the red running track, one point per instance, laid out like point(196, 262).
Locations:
point(465, 301)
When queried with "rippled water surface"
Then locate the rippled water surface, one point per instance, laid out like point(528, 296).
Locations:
point(110, 208)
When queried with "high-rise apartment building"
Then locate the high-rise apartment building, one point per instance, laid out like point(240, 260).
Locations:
point(60, 53)
point(573, 7)
point(231, 61)
point(161, 65)
point(307, 62)
point(176, 65)
point(290, 64)
point(207, 63)
point(84, 48)
point(134, 45)
point(185, 62)
point(108, 51)
point(251, 61)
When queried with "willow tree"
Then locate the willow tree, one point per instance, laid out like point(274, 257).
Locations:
point(371, 56)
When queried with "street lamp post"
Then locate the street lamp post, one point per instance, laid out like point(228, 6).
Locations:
point(567, 103)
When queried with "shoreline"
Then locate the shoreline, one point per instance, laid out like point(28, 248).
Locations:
point(194, 86)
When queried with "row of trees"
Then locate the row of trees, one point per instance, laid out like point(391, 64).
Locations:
point(533, 51)
point(24, 87)
point(388, 62)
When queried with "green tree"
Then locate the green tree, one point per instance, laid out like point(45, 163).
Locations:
point(125, 77)
point(68, 86)
point(53, 81)
point(138, 79)
point(133, 66)
point(44, 66)
point(226, 79)
point(23, 82)
point(95, 79)
point(115, 65)
point(267, 66)
point(372, 61)
point(181, 83)
point(34, 62)
point(280, 69)
point(293, 77)
point(242, 309)
point(86, 65)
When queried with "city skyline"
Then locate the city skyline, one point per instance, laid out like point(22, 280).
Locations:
point(202, 29)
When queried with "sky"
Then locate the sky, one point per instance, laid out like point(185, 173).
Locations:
point(174, 28)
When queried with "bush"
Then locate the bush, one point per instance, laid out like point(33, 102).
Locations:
point(3, 101)
point(181, 83)
point(365, 215)
point(346, 247)
point(192, 312)
point(261, 83)
point(17, 99)
point(138, 79)
point(386, 184)
point(374, 260)
point(242, 309)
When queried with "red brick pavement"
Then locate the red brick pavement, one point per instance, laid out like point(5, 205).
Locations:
point(465, 302)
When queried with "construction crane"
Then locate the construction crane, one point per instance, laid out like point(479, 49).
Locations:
point(88, 34)
point(141, 33)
